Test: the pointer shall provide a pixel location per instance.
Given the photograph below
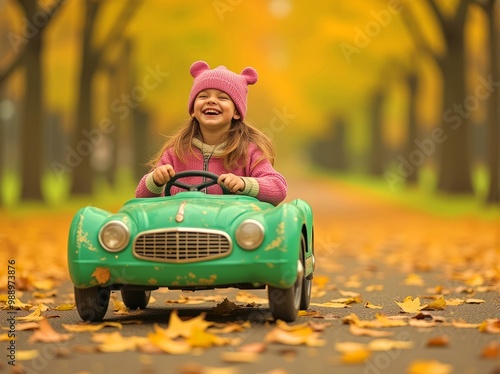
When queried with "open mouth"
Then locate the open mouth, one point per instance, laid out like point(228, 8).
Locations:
point(211, 112)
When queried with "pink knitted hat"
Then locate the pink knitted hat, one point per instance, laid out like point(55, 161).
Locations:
point(222, 79)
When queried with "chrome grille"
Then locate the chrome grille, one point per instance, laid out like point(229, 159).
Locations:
point(182, 245)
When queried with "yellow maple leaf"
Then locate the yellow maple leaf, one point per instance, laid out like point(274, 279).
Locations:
point(46, 334)
point(102, 275)
point(167, 345)
point(372, 306)
point(115, 342)
point(179, 328)
point(410, 305)
point(26, 355)
point(36, 315)
point(429, 367)
point(64, 307)
point(414, 280)
point(361, 331)
point(204, 339)
point(306, 336)
point(388, 344)
point(437, 304)
point(355, 357)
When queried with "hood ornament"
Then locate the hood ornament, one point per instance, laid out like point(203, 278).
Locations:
point(179, 217)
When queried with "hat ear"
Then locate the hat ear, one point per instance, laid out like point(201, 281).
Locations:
point(250, 75)
point(198, 67)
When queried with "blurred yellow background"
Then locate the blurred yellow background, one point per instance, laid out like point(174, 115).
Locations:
point(355, 81)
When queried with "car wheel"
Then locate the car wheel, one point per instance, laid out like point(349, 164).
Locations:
point(305, 297)
point(135, 299)
point(92, 303)
point(285, 302)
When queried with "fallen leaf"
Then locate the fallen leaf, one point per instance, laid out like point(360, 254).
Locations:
point(350, 294)
point(247, 297)
point(331, 305)
point(115, 342)
point(465, 325)
point(46, 334)
point(455, 302)
point(86, 327)
point(160, 340)
point(374, 287)
point(18, 304)
point(474, 301)
point(33, 317)
point(102, 275)
point(225, 307)
point(438, 341)
point(65, 307)
point(491, 326)
point(372, 306)
point(257, 347)
point(240, 356)
point(27, 326)
point(388, 344)
point(361, 331)
point(119, 308)
point(203, 339)
point(414, 280)
point(410, 305)
point(437, 304)
point(26, 355)
point(179, 328)
point(306, 336)
point(355, 357)
point(429, 367)
point(491, 350)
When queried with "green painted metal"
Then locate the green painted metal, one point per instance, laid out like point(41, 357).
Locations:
point(273, 263)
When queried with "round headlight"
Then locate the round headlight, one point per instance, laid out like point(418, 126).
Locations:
point(249, 234)
point(114, 236)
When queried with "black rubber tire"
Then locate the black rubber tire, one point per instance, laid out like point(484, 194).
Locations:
point(92, 303)
point(135, 299)
point(305, 297)
point(285, 302)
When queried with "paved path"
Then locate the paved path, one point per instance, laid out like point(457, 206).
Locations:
point(362, 242)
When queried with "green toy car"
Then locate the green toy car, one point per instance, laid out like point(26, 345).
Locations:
point(192, 241)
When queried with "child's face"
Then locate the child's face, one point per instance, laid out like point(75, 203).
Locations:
point(214, 108)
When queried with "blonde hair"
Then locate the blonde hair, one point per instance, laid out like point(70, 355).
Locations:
point(237, 140)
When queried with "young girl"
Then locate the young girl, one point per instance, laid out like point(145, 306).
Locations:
point(216, 139)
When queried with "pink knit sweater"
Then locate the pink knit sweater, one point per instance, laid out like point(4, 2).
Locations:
point(261, 180)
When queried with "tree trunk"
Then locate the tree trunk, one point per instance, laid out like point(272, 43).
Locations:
point(376, 165)
point(494, 105)
point(454, 174)
point(83, 144)
point(32, 121)
point(412, 82)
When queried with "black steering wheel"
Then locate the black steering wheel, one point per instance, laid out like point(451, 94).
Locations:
point(212, 180)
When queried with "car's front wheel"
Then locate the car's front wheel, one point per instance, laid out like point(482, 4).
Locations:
point(92, 303)
point(285, 302)
point(135, 299)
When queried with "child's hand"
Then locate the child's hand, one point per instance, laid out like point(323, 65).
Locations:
point(232, 182)
point(162, 174)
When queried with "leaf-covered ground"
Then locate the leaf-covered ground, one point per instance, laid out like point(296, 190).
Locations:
point(381, 269)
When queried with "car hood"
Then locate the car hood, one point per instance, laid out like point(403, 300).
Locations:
point(191, 209)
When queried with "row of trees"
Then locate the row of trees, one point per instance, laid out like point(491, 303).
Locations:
point(109, 57)
point(449, 143)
